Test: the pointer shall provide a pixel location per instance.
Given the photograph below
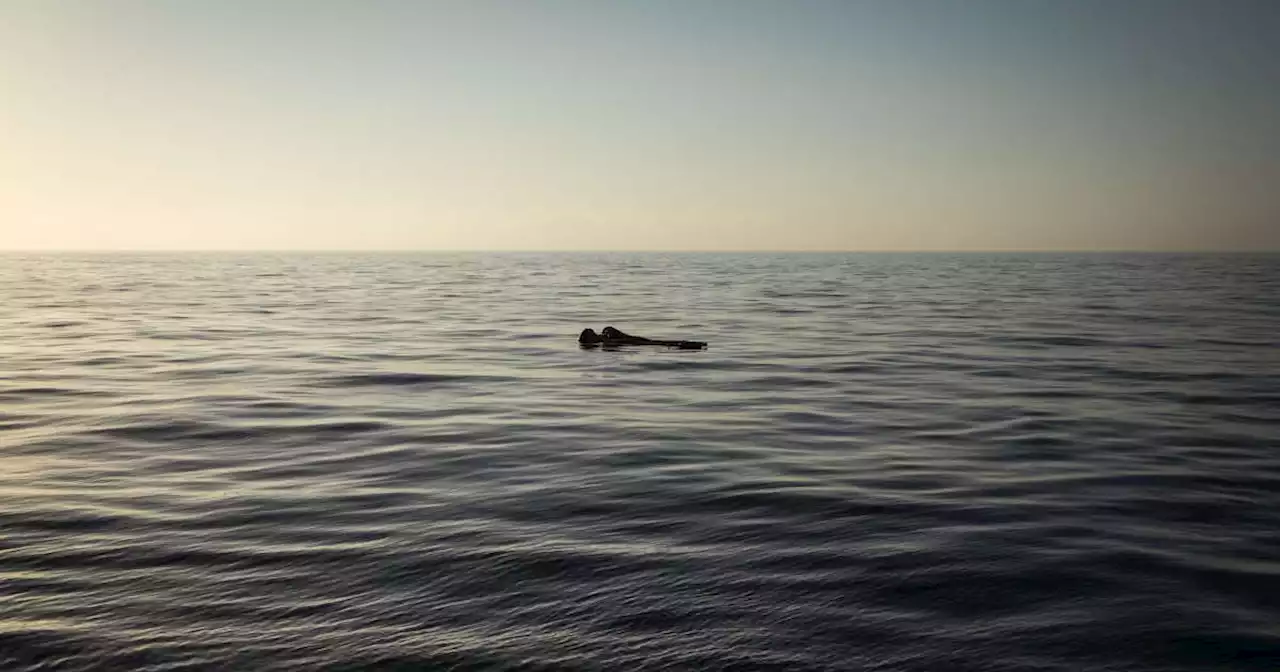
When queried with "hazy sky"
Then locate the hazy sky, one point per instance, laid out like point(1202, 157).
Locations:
point(690, 124)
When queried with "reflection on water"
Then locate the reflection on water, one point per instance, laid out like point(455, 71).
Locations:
point(906, 462)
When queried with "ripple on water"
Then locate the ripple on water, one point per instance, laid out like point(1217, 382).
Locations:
point(892, 462)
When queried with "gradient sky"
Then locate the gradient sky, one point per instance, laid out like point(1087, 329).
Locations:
point(656, 124)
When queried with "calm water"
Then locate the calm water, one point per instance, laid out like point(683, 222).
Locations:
point(882, 462)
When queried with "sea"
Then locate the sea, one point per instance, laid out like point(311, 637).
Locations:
point(402, 461)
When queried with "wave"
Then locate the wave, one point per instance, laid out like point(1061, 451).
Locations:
point(894, 463)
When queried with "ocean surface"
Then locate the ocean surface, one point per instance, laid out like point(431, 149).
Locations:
point(986, 462)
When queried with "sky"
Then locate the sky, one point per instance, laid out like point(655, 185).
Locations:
point(645, 125)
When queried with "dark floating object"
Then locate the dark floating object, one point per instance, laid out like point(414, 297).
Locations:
point(610, 336)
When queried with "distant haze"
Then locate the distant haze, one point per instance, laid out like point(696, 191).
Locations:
point(656, 124)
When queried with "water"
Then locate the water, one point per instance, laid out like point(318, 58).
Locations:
point(882, 462)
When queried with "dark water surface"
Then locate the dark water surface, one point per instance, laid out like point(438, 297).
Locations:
point(883, 462)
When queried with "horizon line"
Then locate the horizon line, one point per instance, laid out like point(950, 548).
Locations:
point(282, 250)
